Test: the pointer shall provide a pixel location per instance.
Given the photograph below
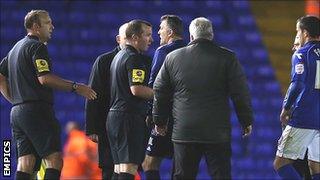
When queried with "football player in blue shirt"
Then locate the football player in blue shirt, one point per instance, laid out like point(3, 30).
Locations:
point(159, 147)
point(300, 111)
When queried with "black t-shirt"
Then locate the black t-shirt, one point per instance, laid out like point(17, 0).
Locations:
point(26, 61)
point(128, 68)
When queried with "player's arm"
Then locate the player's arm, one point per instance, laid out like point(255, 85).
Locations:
point(137, 75)
point(42, 65)
point(142, 91)
point(157, 61)
point(4, 87)
point(163, 93)
point(293, 92)
point(297, 84)
point(56, 82)
point(296, 87)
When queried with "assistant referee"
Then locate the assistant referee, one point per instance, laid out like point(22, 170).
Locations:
point(27, 82)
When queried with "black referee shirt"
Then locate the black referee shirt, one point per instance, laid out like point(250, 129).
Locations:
point(128, 68)
point(26, 61)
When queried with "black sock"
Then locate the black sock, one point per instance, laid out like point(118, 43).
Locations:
point(115, 176)
point(22, 175)
point(52, 174)
point(126, 176)
point(107, 174)
point(152, 175)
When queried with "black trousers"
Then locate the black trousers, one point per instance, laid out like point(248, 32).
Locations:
point(187, 157)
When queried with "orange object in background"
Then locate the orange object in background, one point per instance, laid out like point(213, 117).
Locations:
point(137, 177)
point(80, 156)
point(312, 7)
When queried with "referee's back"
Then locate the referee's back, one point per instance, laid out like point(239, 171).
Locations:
point(22, 74)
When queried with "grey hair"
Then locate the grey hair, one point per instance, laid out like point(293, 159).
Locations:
point(122, 29)
point(201, 28)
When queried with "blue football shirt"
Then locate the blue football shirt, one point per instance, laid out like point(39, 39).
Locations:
point(304, 93)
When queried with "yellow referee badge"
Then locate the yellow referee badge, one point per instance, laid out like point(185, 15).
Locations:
point(138, 75)
point(42, 65)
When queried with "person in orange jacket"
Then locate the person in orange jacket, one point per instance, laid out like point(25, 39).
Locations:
point(79, 155)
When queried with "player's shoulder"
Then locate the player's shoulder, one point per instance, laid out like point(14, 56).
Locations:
point(172, 46)
point(35, 44)
point(31, 42)
point(162, 49)
point(300, 54)
point(309, 47)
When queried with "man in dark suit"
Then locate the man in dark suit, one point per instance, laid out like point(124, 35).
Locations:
point(97, 110)
point(200, 78)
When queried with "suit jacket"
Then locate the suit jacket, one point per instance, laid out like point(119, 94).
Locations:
point(201, 78)
point(96, 110)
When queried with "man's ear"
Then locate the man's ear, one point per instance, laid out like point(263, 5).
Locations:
point(35, 26)
point(191, 38)
point(305, 33)
point(170, 34)
point(134, 37)
point(118, 39)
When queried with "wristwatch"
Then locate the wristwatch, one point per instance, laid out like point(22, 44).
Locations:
point(74, 87)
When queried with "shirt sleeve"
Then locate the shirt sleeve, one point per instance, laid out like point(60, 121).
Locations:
point(298, 72)
point(239, 92)
point(4, 66)
point(163, 93)
point(41, 60)
point(298, 76)
point(293, 92)
point(137, 71)
point(158, 59)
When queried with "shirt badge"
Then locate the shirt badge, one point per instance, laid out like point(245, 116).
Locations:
point(138, 75)
point(42, 65)
point(299, 68)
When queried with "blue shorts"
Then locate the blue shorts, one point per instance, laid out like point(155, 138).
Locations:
point(161, 146)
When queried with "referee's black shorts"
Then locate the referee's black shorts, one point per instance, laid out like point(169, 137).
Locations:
point(127, 134)
point(35, 129)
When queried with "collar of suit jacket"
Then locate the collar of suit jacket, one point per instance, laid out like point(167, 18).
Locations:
point(200, 40)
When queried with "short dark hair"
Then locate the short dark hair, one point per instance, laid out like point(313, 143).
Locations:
point(135, 27)
point(174, 22)
point(310, 24)
point(33, 17)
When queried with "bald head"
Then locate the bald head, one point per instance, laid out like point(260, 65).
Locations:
point(121, 37)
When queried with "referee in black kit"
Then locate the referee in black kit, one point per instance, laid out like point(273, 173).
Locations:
point(27, 82)
point(126, 126)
